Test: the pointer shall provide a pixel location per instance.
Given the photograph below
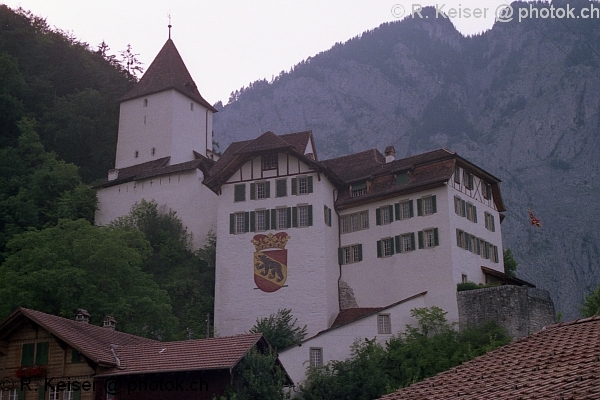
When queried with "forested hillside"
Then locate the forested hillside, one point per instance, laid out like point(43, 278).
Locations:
point(520, 100)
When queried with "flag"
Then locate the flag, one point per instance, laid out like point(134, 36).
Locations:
point(534, 220)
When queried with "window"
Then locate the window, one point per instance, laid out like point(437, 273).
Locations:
point(302, 185)
point(468, 179)
point(136, 154)
point(404, 210)
point(428, 238)
point(239, 192)
point(487, 191)
point(383, 324)
point(260, 190)
point(76, 356)
point(458, 206)
point(269, 162)
point(405, 242)
point(489, 222)
point(456, 174)
point(54, 393)
point(460, 238)
point(191, 106)
point(261, 220)
point(34, 354)
point(494, 254)
point(471, 212)
point(153, 151)
point(145, 102)
point(384, 215)
point(464, 278)
point(327, 214)
point(9, 394)
point(281, 188)
point(355, 222)
point(302, 216)
point(401, 178)
point(358, 189)
point(385, 247)
point(239, 223)
point(282, 218)
point(316, 357)
point(350, 254)
point(426, 205)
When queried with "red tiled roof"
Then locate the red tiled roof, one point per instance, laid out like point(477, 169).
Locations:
point(167, 71)
point(561, 362)
point(92, 341)
point(355, 166)
point(186, 355)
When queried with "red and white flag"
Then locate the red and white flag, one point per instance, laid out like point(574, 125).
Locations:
point(534, 220)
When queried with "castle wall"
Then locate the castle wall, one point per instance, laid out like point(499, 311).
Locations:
point(518, 309)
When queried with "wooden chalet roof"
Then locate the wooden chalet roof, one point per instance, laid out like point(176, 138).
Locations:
point(167, 71)
point(93, 341)
point(560, 362)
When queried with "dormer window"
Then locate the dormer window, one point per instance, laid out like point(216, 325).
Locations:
point(456, 174)
point(358, 189)
point(469, 180)
point(145, 102)
point(269, 162)
point(401, 178)
point(487, 191)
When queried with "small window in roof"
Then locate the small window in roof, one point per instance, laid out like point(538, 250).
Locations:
point(358, 189)
point(401, 178)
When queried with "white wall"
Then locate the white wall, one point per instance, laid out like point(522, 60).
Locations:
point(183, 192)
point(311, 291)
point(166, 124)
point(336, 342)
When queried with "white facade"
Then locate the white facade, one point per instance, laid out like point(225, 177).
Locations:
point(182, 192)
point(334, 344)
point(312, 271)
point(163, 124)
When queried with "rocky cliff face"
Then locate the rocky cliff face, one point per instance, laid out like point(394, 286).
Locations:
point(520, 100)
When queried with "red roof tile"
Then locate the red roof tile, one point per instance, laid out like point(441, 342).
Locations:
point(186, 355)
point(167, 71)
point(561, 362)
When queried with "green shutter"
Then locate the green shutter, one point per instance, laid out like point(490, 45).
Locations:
point(41, 391)
point(402, 178)
point(274, 218)
point(340, 256)
point(27, 354)
point(434, 203)
point(412, 241)
point(294, 217)
point(391, 212)
point(21, 393)
point(267, 219)
point(496, 259)
point(398, 244)
point(419, 207)
point(310, 184)
point(421, 241)
point(467, 240)
point(379, 252)
point(329, 215)
point(246, 222)
point(310, 216)
point(232, 223)
point(474, 214)
point(239, 192)
point(289, 217)
point(397, 211)
point(294, 186)
point(77, 394)
point(464, 208)
point(41, 354)
point(378, 216)
point(359, 252)
point(253, 191)
point(436, 239)
point(325, 214)
point(268, 189)
point(75, 356)
point(252, 221)
point(281, 188)
point(411, 208)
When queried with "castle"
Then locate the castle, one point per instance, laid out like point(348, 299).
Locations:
point(349, 244)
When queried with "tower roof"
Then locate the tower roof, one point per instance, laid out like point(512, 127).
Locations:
point(166, 72)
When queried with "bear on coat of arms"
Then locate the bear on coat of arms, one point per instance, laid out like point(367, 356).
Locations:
point(270, 261)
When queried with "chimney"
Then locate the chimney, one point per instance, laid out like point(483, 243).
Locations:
point(390, 154)
point(109, 322)
point(82, 316)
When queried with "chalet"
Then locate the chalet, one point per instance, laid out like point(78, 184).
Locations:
point(48, 357)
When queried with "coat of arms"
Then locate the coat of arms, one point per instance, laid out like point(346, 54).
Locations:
point(270, 266)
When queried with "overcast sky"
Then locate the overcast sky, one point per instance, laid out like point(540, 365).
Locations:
point(227, 44)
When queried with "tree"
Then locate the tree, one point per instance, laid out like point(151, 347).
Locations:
point(185, 274)
point(510, 264)
point(77, 265)
point(280, 329)
point(591, 304)
point(260, 377)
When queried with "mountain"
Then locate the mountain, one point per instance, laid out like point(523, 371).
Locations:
point(521, 100)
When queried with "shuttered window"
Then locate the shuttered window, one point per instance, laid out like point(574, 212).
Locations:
point(239, 192)
point(281, 187)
